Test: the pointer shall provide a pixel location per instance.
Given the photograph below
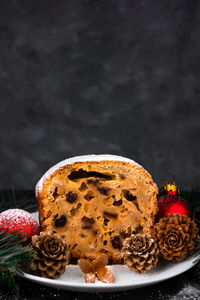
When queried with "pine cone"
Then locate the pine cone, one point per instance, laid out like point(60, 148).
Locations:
point(51, 255)
point(140, 252)
point(175, 236)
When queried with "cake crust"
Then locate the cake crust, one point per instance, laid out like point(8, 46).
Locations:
point(123, 211)
point(81, 158)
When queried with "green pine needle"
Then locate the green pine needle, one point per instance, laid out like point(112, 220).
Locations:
point(192, 196)
point(12, 255)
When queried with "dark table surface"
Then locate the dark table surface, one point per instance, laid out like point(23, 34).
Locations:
point(184, 286)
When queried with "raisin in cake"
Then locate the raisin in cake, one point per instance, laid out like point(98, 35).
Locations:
point(96, 201)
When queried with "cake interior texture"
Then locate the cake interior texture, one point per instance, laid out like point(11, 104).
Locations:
point(96, 205)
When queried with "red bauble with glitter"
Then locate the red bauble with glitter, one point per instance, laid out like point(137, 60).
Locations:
point(172, 203)
point(12, 220)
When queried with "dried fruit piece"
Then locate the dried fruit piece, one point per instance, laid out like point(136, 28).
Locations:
point(93, 181)
point(129, 196)
point(90, 277)
point(85, 266)
point(110, 215)
point(105, 275)
point(103, 190)
point(116, 242)
point(117, 203)
point(87, 222)
point(60, 222)
point(71, 197)
point(100, 262)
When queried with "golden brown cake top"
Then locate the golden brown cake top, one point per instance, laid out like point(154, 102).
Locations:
point(82, 158)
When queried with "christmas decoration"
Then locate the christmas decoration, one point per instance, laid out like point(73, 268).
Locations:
point(51, 255)
point(18, 220)
point(174, 243)
point(171, 202)
point(13, 254)
point(18, 255)
point(140, 252)
point(170, 188)
point(175, 234)
point(96, 268)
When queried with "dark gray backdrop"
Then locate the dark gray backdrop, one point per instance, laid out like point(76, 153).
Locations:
point(119, 77)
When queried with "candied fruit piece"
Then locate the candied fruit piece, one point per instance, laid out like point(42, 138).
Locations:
point(105, 275)
point(85, 265)
point(90, 277)
point(100, 262)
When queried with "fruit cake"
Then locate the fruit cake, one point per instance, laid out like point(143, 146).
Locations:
point(95, 202)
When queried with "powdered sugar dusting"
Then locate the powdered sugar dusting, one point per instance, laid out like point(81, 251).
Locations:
point(19, 219)
point(125, 279)
point(188, 292)
point(73, 278)
point(16, 215)
point(81, 158)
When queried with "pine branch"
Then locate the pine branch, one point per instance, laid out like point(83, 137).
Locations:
point(12, 255)
point(192, 196)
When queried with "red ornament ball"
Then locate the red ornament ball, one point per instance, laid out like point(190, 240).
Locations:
point(19, 219)
point(169, 204)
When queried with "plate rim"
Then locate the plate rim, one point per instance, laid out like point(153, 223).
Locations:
point(187, 264)
point(105, 286)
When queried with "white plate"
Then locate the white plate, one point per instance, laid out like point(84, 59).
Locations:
point(125, 279)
